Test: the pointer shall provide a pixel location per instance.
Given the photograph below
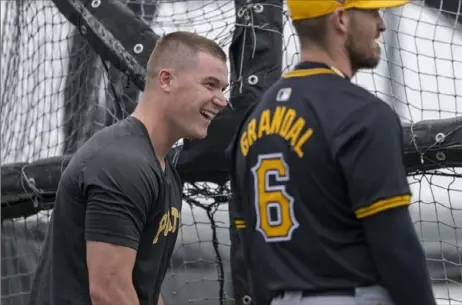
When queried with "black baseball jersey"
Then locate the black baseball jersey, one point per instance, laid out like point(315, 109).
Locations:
point(113, 191)
point(314, 156)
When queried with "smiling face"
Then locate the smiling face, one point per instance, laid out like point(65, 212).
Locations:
point(362, 45)
point(196, 95)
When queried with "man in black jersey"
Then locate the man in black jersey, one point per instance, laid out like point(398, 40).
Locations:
point(118, 204)
point(320, 190)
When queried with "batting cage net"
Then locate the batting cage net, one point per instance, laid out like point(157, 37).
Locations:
point(71, 67)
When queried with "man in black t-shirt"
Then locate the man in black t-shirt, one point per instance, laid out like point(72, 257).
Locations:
point(320, 194)
point(118, 205)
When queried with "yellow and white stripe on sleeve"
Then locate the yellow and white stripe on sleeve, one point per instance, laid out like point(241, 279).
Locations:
point(383, 205)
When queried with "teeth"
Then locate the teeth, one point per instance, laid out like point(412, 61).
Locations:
point(208, 114)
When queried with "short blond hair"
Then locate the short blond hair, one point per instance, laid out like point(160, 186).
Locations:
point(312, 32)
point(178, 49)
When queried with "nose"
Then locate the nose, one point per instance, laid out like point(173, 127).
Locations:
point(381, 26)
point(219, 101)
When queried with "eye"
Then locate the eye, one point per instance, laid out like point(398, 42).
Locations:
point(377, 13)
point(209, 85)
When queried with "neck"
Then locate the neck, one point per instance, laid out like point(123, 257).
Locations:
point(162, 139)
point(337, 61)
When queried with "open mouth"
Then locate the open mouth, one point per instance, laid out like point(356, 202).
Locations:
point(208, 115)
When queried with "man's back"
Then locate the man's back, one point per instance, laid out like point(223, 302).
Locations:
point(294, 160)
point(122, 153)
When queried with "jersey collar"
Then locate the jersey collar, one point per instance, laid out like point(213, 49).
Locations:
point(310, 65)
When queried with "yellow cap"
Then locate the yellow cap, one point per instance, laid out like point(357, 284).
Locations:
point(305, 9)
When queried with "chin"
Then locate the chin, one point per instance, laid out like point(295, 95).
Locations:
point(368, 63)
point(198, 134)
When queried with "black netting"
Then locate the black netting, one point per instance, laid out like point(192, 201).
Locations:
point(55, 94)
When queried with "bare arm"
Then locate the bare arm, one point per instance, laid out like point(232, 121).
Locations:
point(160, 301)
point(110, 274)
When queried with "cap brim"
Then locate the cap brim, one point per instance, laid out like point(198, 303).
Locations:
point(378, 4)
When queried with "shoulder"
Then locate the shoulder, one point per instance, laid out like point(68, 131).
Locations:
point(122, 158)
point(128, 154)
point(372, 124)
point(367, 109)
point(367, 118)
point(123, 142)
point(121, 172)
point(355, 97)
point(351, 104)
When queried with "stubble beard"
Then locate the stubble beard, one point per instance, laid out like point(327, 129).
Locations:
point(358, 58)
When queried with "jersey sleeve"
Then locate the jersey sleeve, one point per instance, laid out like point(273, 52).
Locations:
point(119, 194)
point(369, 149)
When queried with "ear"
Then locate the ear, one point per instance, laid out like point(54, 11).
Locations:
point(340, 19)
point(165, 77)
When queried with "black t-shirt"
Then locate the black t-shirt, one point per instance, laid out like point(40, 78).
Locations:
point(113, 191)
point(314, 156)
